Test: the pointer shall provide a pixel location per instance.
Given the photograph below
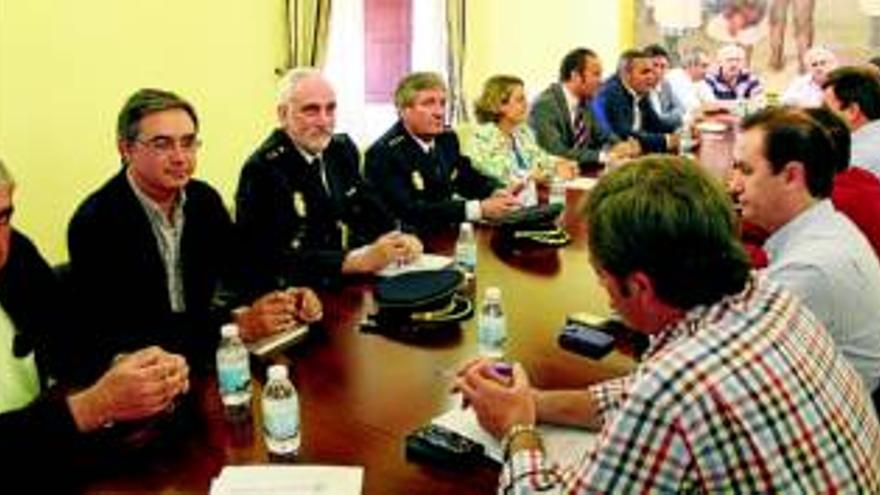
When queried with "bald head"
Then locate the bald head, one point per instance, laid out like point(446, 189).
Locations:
point(307, 109)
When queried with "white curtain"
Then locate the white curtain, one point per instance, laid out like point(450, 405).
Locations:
point(345, 65)
point(429, 36)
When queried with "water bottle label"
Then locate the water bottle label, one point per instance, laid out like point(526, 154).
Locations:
point(233, 378)
point(466, 257)
point(492, 331)
point(281, 417)
point(557, 192)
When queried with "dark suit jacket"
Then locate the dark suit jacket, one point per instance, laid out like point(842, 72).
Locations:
point(292, 231)
point(420, 187)
point(614, 105)
point(31, 296)
point(44, 432)
point(550, 119)
point(120, 279)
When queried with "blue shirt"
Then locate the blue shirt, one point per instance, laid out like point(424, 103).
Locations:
point(821, 256)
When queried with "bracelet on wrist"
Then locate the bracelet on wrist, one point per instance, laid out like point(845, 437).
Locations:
point(515, 431)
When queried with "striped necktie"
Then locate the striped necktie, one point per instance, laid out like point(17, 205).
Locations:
point(581, 133)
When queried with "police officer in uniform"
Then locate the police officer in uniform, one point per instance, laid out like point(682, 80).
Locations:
point(303, 210)
point(419, 170)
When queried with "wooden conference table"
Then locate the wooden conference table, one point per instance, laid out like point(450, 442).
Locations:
point(362, 392)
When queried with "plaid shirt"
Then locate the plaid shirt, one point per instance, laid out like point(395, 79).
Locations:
point(748, 395)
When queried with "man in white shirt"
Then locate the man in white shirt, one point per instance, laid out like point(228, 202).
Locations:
point(685, 80)
point(854, 93)
point(668, 107)
point(784, 183)
point(805, 91)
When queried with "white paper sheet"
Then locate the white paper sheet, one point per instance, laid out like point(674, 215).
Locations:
point(564, 445)
point(288, 480)
point(278, 340)
point(426, 261)
point(581, 183)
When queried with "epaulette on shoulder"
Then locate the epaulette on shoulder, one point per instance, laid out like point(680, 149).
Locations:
point(275, 152)
point(396, 140)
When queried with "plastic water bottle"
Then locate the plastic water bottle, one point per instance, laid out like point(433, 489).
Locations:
point(280, 414)
point(741, 107)
point(492, 326)
point(529, 194)
point(233, 372)
point(466, 248)
point(685, 142)
point(557, 191)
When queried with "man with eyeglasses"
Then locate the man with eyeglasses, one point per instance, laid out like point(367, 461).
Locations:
point(50, 426)
point(154, 259)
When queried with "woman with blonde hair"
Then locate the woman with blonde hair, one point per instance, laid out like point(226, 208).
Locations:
point(502, 145)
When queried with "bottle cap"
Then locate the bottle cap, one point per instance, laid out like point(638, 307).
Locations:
point(466, 227)
point(229, 330)
point(277, 372)
point(493, 293)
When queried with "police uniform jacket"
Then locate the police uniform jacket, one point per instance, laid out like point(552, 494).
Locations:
point(424, 188)
point(296, 229)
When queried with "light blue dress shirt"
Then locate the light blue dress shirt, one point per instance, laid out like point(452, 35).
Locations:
point(822, 257)
point(866, 147)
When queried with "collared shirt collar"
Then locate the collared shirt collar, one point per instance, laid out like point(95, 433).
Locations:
point(629, 90)
point(309, 157)
point(776, 243)
point(425, 145)
point(570, 99)
point(867, 130)
point(152, 207)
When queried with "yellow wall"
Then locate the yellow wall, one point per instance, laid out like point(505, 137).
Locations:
point(67, 66)
point(528, 38)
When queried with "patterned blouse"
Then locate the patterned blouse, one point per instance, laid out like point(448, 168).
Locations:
point(493, 153)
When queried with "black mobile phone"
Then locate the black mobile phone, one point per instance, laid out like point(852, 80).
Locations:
point(435, 443)
point(589, 341)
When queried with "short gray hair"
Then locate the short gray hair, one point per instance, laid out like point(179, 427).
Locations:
point(692, 56)
point(411, 84)
point(291, 79)
point(6, 179)
point(730, 50)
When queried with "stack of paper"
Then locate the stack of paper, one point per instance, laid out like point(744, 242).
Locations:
point(288, 480)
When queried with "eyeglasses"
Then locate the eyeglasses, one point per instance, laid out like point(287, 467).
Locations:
point(6, 215)
point(166, 144)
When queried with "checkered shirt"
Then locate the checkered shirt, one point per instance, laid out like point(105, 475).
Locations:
point(748, 395)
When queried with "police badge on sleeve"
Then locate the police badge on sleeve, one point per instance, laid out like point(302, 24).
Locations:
point(417, 181)
point(299, 204)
